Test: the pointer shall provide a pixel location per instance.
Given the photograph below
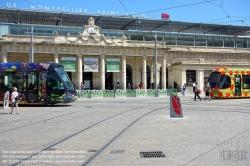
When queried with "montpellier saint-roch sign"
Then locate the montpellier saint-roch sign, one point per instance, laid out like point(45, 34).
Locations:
point(74, 10)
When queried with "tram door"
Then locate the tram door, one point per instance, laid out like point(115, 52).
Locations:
point(32, 87)
point(237, 85)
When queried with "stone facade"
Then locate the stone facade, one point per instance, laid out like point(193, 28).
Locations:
point(174, 60)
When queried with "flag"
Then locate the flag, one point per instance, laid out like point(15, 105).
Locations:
point(164, 16)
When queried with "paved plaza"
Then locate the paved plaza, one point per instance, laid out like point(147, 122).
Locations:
point(128, 131)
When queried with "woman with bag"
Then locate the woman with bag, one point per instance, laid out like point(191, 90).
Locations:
point(184, 89)
point(14, 100)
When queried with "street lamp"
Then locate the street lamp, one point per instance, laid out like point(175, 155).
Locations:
point(155, 63)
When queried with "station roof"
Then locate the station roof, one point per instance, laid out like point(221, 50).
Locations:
point(23, 16)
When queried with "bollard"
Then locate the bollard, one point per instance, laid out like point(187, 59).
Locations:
point(175, 107)
point(6, 100)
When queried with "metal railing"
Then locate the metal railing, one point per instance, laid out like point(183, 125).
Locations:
point(118, 93)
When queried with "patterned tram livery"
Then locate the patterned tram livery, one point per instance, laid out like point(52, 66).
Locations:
point(229, 82)
point(37, 83)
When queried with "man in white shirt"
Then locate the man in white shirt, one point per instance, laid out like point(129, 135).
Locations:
point(194, 85)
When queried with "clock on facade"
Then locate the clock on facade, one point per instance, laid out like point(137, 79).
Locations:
point(91, 30)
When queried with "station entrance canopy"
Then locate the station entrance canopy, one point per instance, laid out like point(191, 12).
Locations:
point(21, 16)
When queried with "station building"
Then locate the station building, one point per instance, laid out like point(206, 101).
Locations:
point(101, 50)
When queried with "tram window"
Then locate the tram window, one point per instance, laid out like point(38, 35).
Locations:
point(225, 82)
point(214, 79)
point(246, 81)
point(12, 79)
point(54, 81)
point(65, 78)
point(32, 82)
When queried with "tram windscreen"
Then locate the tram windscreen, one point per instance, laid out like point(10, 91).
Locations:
point(225, 82)
point(214, 79)
point(65, 78)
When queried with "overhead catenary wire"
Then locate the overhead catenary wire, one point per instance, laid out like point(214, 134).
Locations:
point(204, 1)
point(123, 6)
point(176, 7)
point(211, 2)
point(242, 21)
point(226, 14)
point(217, 20)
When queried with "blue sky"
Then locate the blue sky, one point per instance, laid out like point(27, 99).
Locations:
point(234, 12)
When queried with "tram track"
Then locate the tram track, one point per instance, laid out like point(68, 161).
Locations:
point(89, 160)
point(45, 120)
point(61, 140)
point(29, 117)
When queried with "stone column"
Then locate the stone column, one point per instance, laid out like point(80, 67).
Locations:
point(151, 76)
point(123, 83)
point(29, 54)
point(102, 72)
point(144, 70)
point(163, 72)
point(200, 78)
point(4, 56)
point(56, 58)
point(79, 70)
point(183, 77)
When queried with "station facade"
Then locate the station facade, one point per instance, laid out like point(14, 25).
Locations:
point(181, 57)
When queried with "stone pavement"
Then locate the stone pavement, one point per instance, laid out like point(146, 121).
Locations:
point(117, 131)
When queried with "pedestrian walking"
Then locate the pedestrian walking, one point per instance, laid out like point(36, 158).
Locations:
point(14, 100)
point(196, 93)
point(207, 89)
point(183, 91)
point(194, 84)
